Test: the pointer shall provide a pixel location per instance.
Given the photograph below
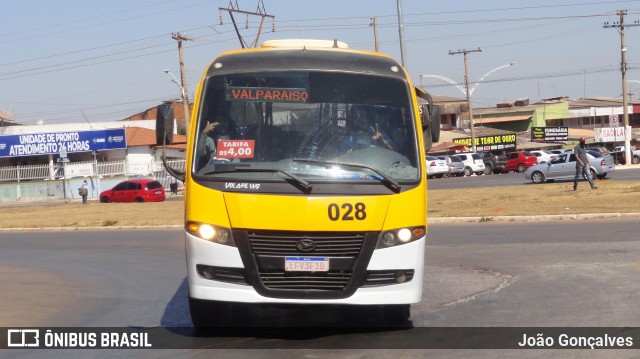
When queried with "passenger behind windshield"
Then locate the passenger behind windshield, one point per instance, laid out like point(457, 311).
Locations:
point(363, 130)
point(221, 128)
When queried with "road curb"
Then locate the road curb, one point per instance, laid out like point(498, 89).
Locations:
point(47, 229)
point(533, 218)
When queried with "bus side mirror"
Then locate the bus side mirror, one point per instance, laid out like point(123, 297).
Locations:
point(164, 124)
point(430, 125)
point(434, 123)
point(430, 117)
point(164, 136)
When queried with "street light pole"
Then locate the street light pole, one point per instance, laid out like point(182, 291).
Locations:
point(403, 56)
point(475, 85)
point(468, 92)
point(185, 100)
point(489, 73)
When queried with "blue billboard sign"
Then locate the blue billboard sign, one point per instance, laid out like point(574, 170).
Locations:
point(60, 142)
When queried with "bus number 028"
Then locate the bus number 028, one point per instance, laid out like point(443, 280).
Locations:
point(347, 211)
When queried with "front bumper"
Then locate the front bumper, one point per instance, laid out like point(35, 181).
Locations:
point(249, 288)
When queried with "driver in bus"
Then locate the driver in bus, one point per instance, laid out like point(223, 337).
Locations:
point(222, 128)
point(363, 131)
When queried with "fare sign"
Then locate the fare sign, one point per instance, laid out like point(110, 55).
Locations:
point(235, 149)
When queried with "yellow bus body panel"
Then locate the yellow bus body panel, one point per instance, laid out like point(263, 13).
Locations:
point(305, 213)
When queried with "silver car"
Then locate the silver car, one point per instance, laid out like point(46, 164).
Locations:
point(436, 167)
point(564, 167)
point(455, 165)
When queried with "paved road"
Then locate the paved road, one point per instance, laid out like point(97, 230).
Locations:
point(513, 179)
point(525, 274)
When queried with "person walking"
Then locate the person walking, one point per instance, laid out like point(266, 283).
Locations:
point(582, 164)
point(84, 191)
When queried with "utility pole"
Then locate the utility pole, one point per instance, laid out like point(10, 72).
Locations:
point(623, 68)
point(260, 11)
point(466, 80)
point(401, 33)
point(183, 78)
point(374, 23)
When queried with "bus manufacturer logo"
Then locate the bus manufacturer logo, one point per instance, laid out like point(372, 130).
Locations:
point(306, 245)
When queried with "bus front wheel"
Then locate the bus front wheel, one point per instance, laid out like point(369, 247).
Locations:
point(397, 314)
point(206, 313)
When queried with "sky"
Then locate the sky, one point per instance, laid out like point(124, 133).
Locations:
point(87, 60)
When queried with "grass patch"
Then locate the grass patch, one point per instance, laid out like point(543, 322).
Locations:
point(486, 203)
point(529, 199)
point(93, 215)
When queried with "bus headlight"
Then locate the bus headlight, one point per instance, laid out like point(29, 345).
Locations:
point(211, 233)
point(396, 237)
point(206, 232)
point(404, 235)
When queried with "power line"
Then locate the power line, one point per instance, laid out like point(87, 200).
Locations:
point(16, 39)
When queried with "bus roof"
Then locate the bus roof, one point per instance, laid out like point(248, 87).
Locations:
point(305, 43)
point(305, 59)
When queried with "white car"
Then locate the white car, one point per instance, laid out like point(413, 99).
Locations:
point(544, 156)
point(473, 163)
point(436, 167)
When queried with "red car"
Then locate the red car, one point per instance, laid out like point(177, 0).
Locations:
point(520, 161)
point(135, 190)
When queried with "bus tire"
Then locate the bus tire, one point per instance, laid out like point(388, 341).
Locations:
point(206, 313)
point(397, 313)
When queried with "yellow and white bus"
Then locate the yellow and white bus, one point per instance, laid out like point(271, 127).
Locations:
point(305, 181)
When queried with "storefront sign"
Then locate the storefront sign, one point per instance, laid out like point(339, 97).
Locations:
point(549, 134)
point(609, 134)
point(62, 142)
point(488, 143)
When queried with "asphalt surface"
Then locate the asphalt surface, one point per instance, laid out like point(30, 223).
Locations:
point(552, 274)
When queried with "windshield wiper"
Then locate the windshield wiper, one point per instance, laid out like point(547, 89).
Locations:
point(302, 183)
point(386, 180)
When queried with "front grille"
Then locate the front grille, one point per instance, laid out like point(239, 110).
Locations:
point(270, 248)
point(305, 281)
point(327, 244)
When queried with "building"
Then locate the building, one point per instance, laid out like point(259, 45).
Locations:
point(583, 117)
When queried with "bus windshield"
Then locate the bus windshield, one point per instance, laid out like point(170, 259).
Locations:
point(311, 126)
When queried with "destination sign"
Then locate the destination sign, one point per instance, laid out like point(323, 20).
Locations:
point(266, 94)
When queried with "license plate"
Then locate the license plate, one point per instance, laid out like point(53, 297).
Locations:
point(158, 192)
point(306, 264)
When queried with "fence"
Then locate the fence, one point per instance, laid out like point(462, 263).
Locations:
point(85, 169)
point(41, 182)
